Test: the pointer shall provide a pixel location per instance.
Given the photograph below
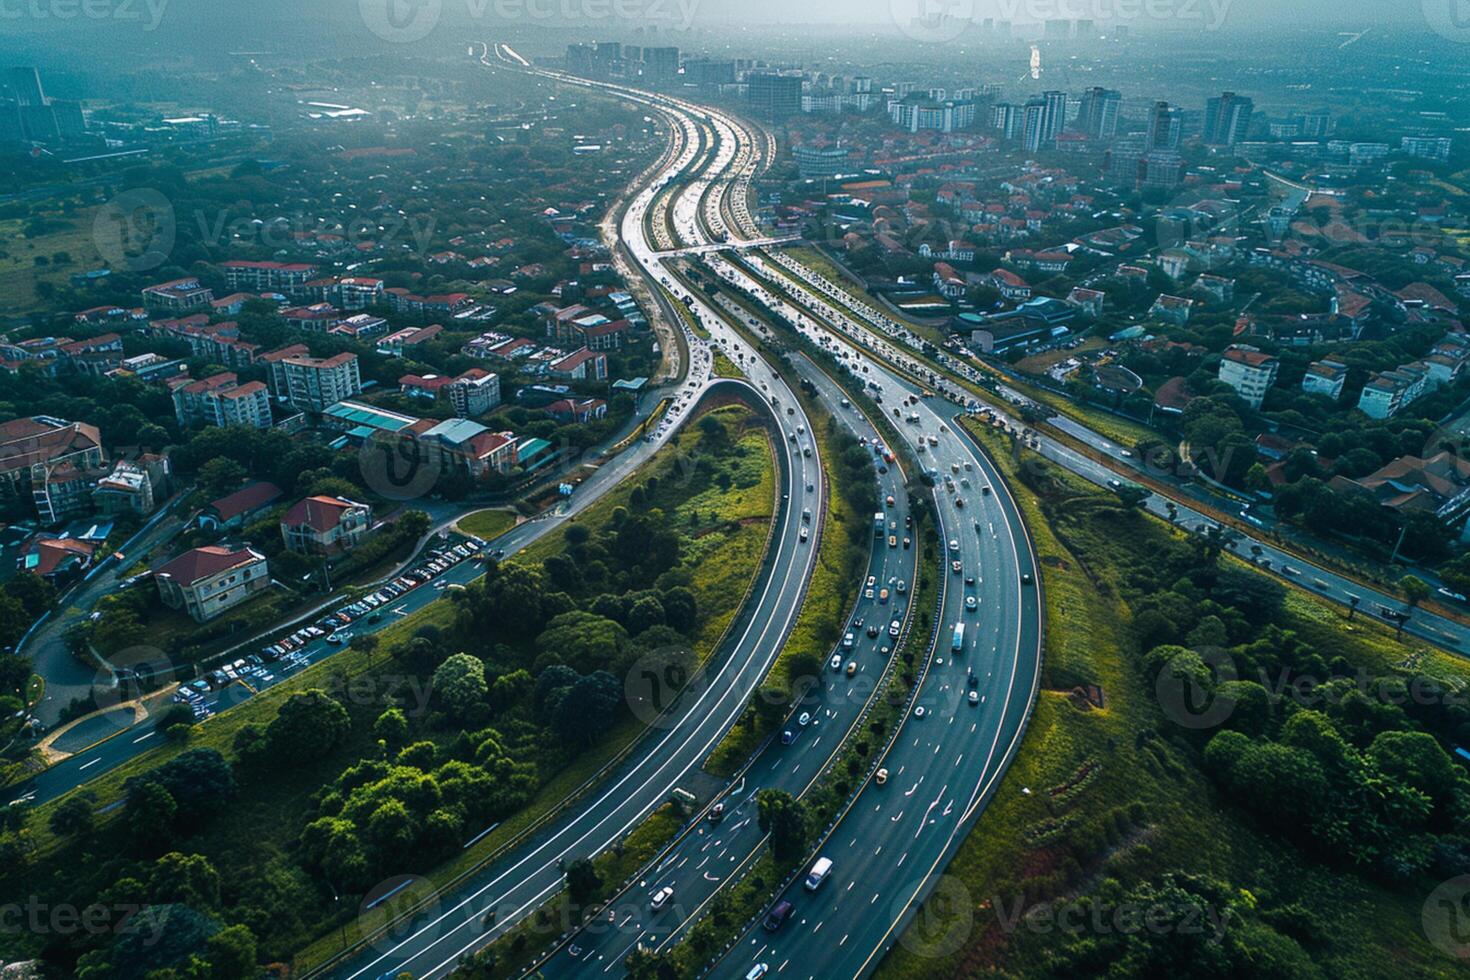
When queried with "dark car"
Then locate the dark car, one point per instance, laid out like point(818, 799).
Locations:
point(777, 917)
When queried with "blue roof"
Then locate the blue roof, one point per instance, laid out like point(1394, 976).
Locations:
point(530, 448)
point(457, 431)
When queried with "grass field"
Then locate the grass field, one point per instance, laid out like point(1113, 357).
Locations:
point(487, 524)
point(1117, 760)
point(64, 233)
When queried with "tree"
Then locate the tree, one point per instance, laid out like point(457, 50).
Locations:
point(75, 815)
point(231, 954)
point(785, 819)
point(391, 728)
point(582, 881)
point(149, 816)
point(307, 725)
point(459, 686)
point(589, 707)
point(220, 476)
point(1415, 589)
point(188, 879)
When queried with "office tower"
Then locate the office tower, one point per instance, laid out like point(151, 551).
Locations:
point(1124, 160)
point(26, 83)
point(1055, 115)
point(1033, 124)
point(70, 121)
point(39, 122)
point(1227, 119)
point(1098, 116)
point(661, 62)
point(11, 129)
point(772, 95)
point(1165, 126)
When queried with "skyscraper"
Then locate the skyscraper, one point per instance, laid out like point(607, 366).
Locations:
point(1033, 124)
point(1055, 116)
point(1227, 119)
point(1006, 118)
point(26, 83)
point(1098, 117)
point(662, 63)
point(1165, 125)
point(772, 95)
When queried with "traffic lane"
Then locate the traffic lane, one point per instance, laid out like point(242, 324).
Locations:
point(834, 709)
point(703, 862)
point(435, 946)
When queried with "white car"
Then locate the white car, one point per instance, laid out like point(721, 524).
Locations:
point(661, 898)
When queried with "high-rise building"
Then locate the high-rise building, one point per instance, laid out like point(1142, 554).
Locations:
point(1033, 124)
point(773, 95)
point(1227, 119)
point(70, 121)
point(1098, 117)
point(11, 128)
point(661, 63)
point(1165, 126)
point(26, 84)
point(1006, 118)
point(313, 383)
point(1316, 125)
point(1055, 117)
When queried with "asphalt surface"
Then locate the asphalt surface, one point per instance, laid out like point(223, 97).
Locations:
point(432, 944)
point(712, 854)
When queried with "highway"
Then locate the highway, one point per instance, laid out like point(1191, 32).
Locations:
point(711, 854)
point(880, 336)
point(523, 879)
point(970, 706)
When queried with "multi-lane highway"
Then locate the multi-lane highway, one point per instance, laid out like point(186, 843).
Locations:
point(976, 687)
point(721, 846)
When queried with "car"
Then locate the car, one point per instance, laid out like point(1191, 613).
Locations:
point(970, 602)
point(778, 916)
point(1025, 578)
point(959, 502)
point(852, 668)
point(836, 662)
point(969, 467)
point(716, 813)
point(902, 586)
point(894, 628)
point(954, 544)
point(661, 899)
point(973, 680)
point(803, 535)
point(907, 542)
point(1290, 570)
point(847, 641)
point(880, 777)
point(919, 711)
point(974, 697)
point(985, 490)
point(787, 737)
point(758, 971)
point(956, 567)
point(892, 541)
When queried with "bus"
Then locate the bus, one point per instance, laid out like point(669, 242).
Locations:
point(958, 643)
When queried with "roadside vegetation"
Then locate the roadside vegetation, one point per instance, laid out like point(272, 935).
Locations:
point(268, 824)
point(1307, 817)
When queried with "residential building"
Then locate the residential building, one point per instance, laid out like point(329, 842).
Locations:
point(1227, 119)
point(324, 525)
point(1249, 371)
point(1427, 147)
point(1325, 378)
point(467, 445)
point(1438, 485)
point(1098, 116)
point(581, 365)
point(221, 400)
point(129, 488)
point(1171, 309)
point(313, 383)
point(52, 461)
point(58, 560)
point(178, 296)
point(282, 276)
point(397, 342)
point(577, 409)
point(1388, 392)
point(205, 582)
point(239, 508)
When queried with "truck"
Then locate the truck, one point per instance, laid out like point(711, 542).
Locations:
point(958, 643)
point(879, 523)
